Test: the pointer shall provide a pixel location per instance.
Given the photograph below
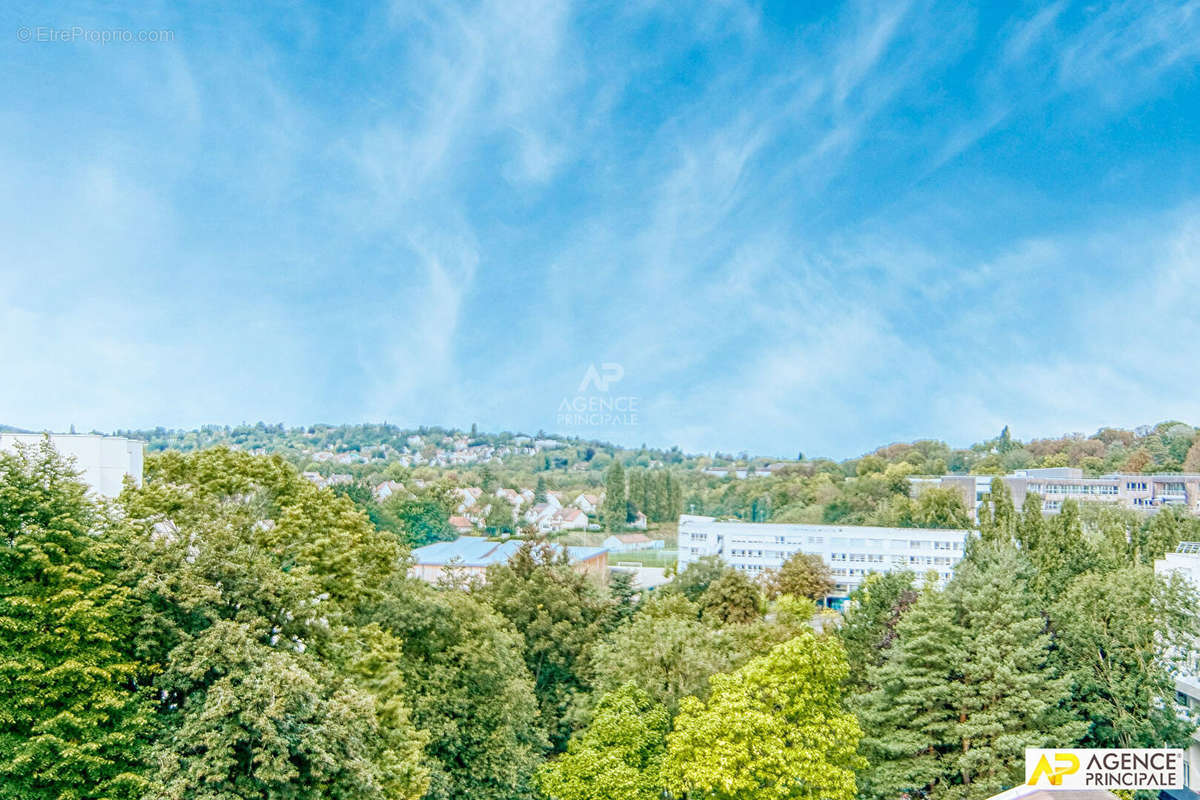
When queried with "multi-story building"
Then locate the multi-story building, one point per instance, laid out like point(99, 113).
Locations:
point(1056, 484)
point(851, 551)
point(1185, 562)
point(103, 461)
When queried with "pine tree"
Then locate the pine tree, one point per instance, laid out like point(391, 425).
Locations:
point(911, 716)
point(1001, 524)
point(1031, 525)
point(1062, 553)
point(614, 497)
point(1010, 697)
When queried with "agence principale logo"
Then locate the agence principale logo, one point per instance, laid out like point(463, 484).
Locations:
point(1080, 768)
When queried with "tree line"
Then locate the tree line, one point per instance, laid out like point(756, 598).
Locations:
point(227, 630)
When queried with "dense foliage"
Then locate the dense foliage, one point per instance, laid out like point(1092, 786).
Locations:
point(229, 630)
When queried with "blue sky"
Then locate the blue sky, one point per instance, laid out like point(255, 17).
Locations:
point(793, 229)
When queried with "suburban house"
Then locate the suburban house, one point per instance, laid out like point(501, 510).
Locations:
point(639, 522)
point(468, 496)
point(564, 519)
point(587, 503)
point(461, 524)
point(555, 499)
point(472, 555)
point(624, 542)
point(386, 489)
point(511, 496)
point(539, 512)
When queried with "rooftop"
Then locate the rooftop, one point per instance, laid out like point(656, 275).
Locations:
point(476, 551)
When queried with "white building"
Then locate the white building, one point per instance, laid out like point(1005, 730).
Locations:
point(104, 461)
point(1185, 561)
point(850, 551)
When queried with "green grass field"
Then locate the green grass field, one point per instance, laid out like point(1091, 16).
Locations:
point(647, 558)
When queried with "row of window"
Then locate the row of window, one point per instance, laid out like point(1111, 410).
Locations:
point(1074, 488)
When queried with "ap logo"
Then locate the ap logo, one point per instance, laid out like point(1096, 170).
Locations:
point(608, 374)
point(1068, 764)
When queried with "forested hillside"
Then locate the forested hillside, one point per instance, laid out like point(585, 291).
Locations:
point(870, 489)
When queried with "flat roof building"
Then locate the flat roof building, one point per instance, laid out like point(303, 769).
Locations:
point(474, 554)
point(103, 461)
point(1058, 484)
point(851, 551)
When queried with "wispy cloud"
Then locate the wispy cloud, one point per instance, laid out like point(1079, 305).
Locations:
point(818, 233)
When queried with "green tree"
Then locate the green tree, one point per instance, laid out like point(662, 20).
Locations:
point(1118, 635)
point(424, 517)
point(1031, 526)
point(249, 581)
point(802, 575)
point(698, 576)
point(1000, 525)
point(613, 510)
point(967, 686)
point(560, 614)
point(1010, 696)
point(466, 682)
point(941, 508)
point(618, 757)
point(72, 724)
point(776, 728)
point(1062, 553)
point(665, 650)
point(731, 599)
point(870, 618)
point(910, 716)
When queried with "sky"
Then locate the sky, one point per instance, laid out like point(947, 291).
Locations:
point(764, 227)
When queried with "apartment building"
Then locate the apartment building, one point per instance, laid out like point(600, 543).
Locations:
point(1057, 484)
point(851, 551)
point(103, 461)
point(1185, 562)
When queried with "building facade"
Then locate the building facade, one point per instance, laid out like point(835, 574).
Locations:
point(851, 551)
point(1058, 484)
point(103, 461)
point(1185, 562)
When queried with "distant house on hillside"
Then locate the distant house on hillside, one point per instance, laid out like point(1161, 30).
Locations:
point(386, 489)
point(639, 522)
point(564, 519)
point(461, 524)
point(624, 542)
point(468, 496)
point(587, 503)
point(472, 555)
point(511, 496)
point(539, 512)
